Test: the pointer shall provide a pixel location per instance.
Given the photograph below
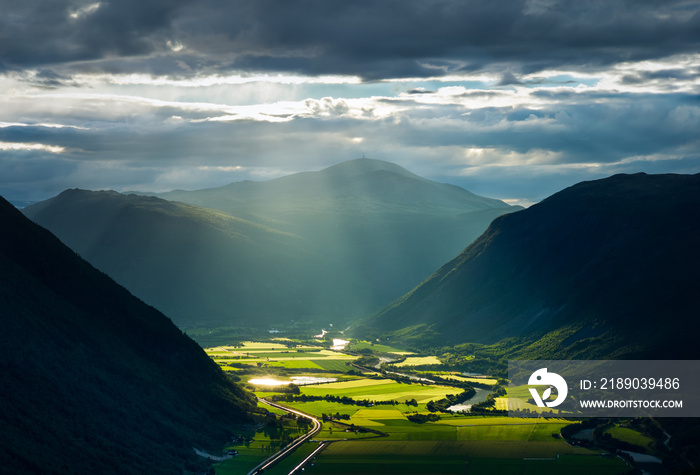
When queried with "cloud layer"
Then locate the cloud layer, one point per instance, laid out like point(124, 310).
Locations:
point(510, 99)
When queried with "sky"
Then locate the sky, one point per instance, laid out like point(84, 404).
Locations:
point(513, 100)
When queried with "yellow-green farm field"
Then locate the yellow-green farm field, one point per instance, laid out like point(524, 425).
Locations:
point(470, 379)
point(419, 361)
point(381, 390)
point(277, 355)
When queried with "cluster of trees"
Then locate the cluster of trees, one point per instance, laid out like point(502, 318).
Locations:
point(463, 384)
point(285, 388)
point(337, 416)
point(422, 418)
point(450, 400)
point(474, 357)
point(295, 397)
point(367, 361)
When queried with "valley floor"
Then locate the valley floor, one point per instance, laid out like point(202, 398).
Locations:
point(370, 431)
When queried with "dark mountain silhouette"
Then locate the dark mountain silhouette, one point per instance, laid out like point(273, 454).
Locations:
point(94, 380)
point(614, 262)
point(333, 245)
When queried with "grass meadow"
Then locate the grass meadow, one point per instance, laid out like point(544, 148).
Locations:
point(631, 436)
point(459, 457)
point(419, 361)
point(382, 390)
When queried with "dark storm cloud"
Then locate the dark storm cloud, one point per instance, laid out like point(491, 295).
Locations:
point(644, 77)
point(508, 79)
point(33, 175)
point(373, 39)
point(424, 38)
point(56, 31)
point(599, 132)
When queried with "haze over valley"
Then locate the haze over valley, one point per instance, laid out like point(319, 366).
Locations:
point(328, 246)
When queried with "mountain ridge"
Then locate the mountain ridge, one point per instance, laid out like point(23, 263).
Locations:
point(346, 178)
point(93, 378)
point(336, 244)
point(599, 252)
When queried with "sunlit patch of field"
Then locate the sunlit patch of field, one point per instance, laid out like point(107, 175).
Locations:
point(294, 364)
point(517, 400)
point(276, 355)
point(518, 404)
point(382, 390)
point(489, 381)
point(356, 384)
point(229, 368)
point(317, 408)
point(254, 345)
point(419, 361)
point(369, 417)
point(521, 392)
point(271, 409)
point(329, 364)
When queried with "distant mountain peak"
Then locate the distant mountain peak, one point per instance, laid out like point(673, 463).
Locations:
point(369, 165)
point(360, 185)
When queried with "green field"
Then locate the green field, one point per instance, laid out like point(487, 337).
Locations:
point(451, 457)
point(631, 436)
point(272, 409)
point(489, 381)
point(377, 348)
point(382, 390)
point(419, 361)
point(276, 355)
point(294, 364)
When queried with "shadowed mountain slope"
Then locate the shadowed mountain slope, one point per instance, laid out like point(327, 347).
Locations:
point(330, 245)
point(93, 380)
point(617, 256)
point(197, 266)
